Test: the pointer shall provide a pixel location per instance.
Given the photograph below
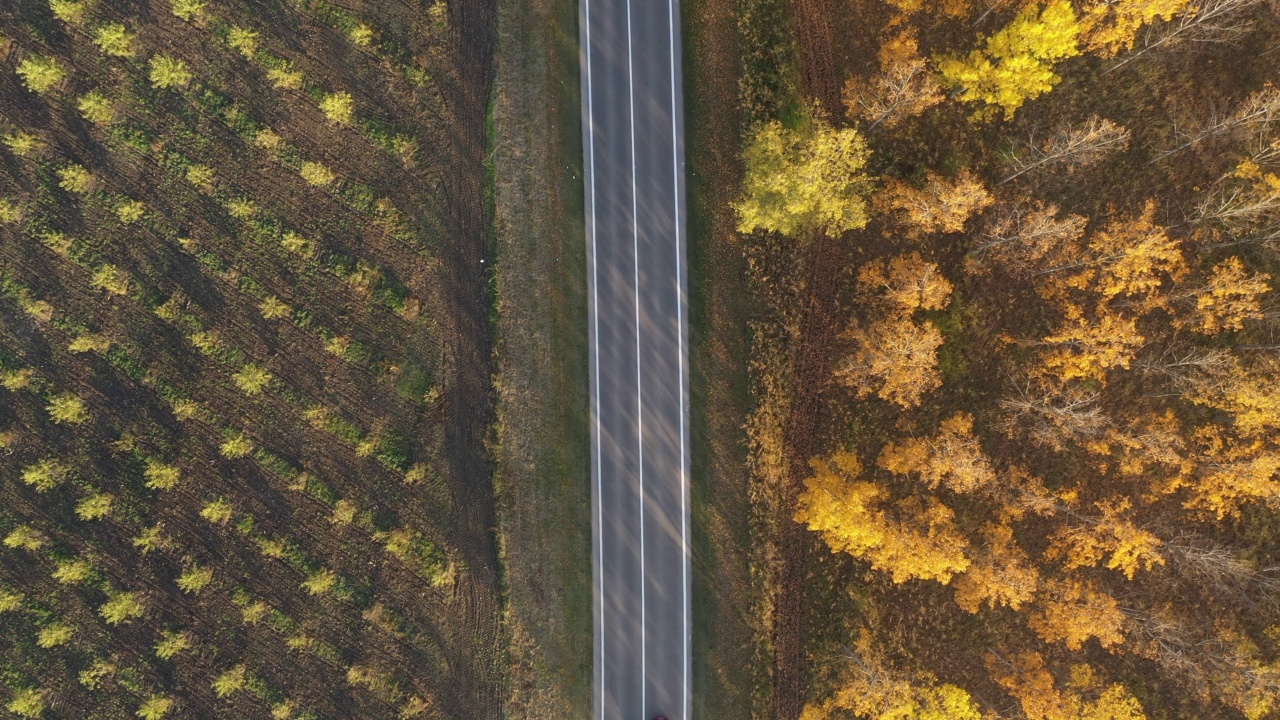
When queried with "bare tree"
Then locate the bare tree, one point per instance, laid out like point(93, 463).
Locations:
point(1206, 21)
point(1072, 146)
point(1053, 416)
point(1258, 110)
point(1247, 212)
point(1020, 236)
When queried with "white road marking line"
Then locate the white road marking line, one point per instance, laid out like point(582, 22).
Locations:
point(685, 707)
point(595, 302)
point(635, 248)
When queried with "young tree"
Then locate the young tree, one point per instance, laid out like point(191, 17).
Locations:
point(115, 40)
point(67, 409)
point(805, 179)
point(1016, 64)
point(338, 107)
point(121, 607)
point(169, 72)
point(903, 88)
point(45, 475)
point(29, 703)
point(188, 10)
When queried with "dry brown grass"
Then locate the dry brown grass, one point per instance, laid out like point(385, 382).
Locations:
point(541, 437)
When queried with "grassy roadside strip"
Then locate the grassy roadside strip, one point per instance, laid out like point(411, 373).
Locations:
point(731, 639)
point(540, 440)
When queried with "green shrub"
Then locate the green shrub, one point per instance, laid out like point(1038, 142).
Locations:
point(168, 72)
point(115, 40)
point(121, 607)
point(40, 73)
point(171, 643)
point(155, 707)
point(67, 409)
point(95, 507)
point(338, 107)
point(96, 107)
point(45, 475)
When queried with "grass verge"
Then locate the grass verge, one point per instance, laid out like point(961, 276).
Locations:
point(730, 668)
point(541, 440)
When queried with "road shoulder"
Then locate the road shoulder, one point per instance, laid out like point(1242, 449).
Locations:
point(541, 441)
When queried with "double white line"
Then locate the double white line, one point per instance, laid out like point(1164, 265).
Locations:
point(675, 168)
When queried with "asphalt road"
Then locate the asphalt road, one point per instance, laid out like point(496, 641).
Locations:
point(633, 136)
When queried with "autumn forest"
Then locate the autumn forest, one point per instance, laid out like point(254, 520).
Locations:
point(1016, 374)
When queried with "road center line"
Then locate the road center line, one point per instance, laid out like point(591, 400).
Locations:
point(635, 247)
point(595, 303)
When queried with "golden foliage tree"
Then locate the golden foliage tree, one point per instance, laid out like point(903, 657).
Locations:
point(904, 87)
point(1072, 611)
point(914, 538)
point(939, 206)
point(809, 178)
point(1016, 63)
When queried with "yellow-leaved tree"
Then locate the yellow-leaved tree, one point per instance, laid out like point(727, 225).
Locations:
point(1072, 611)
point(871, 688)
point(802, 179)
point(939, 206)
point(1109, 27)
point(904, 87)
point(1026, 677)
point(1016, 63)
point(896, 357)
point(913, 538)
